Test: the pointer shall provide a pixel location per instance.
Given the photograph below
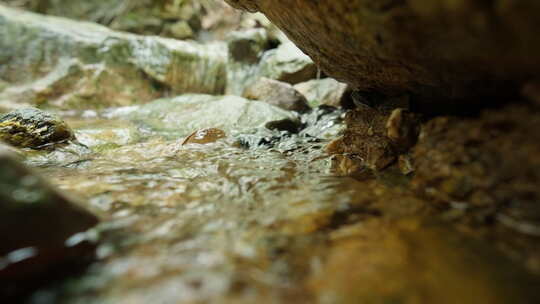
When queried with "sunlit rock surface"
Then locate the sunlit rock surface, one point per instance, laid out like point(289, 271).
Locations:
point(434, 49)
point(50, 61)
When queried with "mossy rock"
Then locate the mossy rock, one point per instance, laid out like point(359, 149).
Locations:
point(33, 128)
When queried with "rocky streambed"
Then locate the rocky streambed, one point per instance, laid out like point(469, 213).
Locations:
point(228, 169)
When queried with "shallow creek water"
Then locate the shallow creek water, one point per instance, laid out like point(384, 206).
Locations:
point(217, 223)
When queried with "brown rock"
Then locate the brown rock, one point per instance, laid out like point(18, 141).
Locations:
point(444, 49)
point(287, 63)
point(205, 136)
point(277, 93)
point(489, 164)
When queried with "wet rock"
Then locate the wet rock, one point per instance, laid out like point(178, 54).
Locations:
point(325, 122)
point(367, 141)
point(287, 63)
point(205, 136)
point(277, 93)
point(278, 140)
point(248, 45)
point(325, 91)
point(288, 125)
point(490, 165)
point(40, 230)
point(252, 55)
point(33, 128)
point(405, 164)
point(410, 46)
point(68, 64)
point(181, 116)
point(102, 134)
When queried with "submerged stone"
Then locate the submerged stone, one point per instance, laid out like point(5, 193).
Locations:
point(33, 128)
point(181, 30)
point(38, 228)
point(205, 136)
point(438, 50)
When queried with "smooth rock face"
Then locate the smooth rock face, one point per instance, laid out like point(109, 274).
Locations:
point(50, 61)
point(435, 49)
point(181, 116)
point(277, 93)
point(325, 91)
point(32, 128)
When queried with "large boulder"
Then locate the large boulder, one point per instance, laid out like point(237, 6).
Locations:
point(50, 61)
point(435, 49)
point(166, 18)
